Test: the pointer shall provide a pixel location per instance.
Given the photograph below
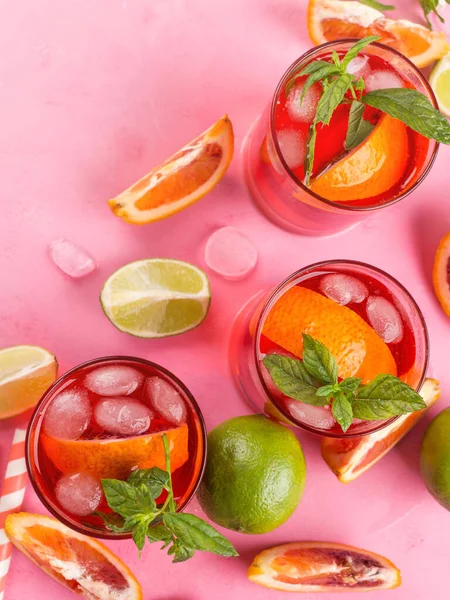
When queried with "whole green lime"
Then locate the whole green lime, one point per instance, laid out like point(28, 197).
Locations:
point(435, 458)
point(255, 474)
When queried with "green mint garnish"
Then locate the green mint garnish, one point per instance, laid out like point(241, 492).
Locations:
point(358, 128)
point(314, 380)
point(134, 502)
point(412, 108)
point(431, 6)
point(408, 106)
point(377, 5)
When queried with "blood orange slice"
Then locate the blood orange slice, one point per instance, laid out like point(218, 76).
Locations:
point(114, 458)
point(371, 169)
point(330, 20)
point(441, 274)
point(77, 561)
point(181, 180)
point(350, 458)
point(359, 351)
point(323, 567)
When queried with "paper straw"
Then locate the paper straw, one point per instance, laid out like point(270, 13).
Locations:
point(11, 499)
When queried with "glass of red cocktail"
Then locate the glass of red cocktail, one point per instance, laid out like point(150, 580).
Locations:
point(102, 420)
point(345, 186)
point(366, 318)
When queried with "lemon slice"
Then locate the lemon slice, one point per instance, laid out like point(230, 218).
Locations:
point(156, 297)
point(440, 82)
point(25, 374)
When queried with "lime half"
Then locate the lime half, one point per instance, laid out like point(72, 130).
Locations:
point(440, 82)
point(156, 297)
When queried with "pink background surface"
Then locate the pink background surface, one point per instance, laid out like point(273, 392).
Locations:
point(93, 94)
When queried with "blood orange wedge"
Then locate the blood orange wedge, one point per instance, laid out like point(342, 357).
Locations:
point(330, 20)
point(350, 458)
point(323, 567)
point(114, 458)
point(181, 180)
point(371, 169)
point(441, 274)
point(78, 562)
point(359, 351)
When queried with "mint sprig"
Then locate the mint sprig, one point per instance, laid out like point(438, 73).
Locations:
point(431, 6)
point(314, 380)
point(377, 5)
point(134, 504)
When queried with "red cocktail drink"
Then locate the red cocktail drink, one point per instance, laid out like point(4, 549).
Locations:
point(345, 185)
point(103, 420)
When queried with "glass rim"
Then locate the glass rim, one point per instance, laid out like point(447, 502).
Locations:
point(342, 205)
point(86, 530)
point(268, 306)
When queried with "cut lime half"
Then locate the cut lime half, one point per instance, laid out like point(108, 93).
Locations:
point(156, 297)
point(440, 82)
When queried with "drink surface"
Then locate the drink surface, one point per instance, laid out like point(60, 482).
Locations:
point(104, 421)
point(293, 119)
point(376, 338)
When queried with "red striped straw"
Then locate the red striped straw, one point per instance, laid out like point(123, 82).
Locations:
point(11, 499)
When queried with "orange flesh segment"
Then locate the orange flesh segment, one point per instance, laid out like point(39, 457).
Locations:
point(115, 458)
point(359, 351)
point(349, 458)
point(371, 169)
point(182, 181)
point(330, 20)
point(441, 274)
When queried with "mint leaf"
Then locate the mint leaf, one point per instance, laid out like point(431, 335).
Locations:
point(121, 496)
point(384, 397)
point(311, 147)
point(358, 128)
point(292, 378)
point(139, 533)
point(377, 5)
point(431, 6)
point(155, 479)
point(350, 385)
point(113, 521)
point(342, 411)
point(357, 48)
point(181, 553)
point(413, 109)
point(332, 97)
point(193, 533)
point(326, 70)
point(319, 361)
point(327, 390)
point(160, 533)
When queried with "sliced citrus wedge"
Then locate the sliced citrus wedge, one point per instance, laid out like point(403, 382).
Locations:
point(114, 458)
point(359, 351)
point(350, 458)
point(25, 373)
point(369, 170)
point(330, 20)
point(441, 273)
point(440, 82)
point(323, 567)
point(78, 562)
point(181, 180)
point(156, 298)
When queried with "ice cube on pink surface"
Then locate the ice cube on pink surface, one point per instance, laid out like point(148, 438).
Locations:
point(382, 80)
point(79, 493)
point(343, 289)
point(122, 416)
point(293, 147)
point(71, 259)
point(303, 111)
point(385, 319)
point(316, 416)
point(230, 253)
point(113, 380)
point(166, 400)
point(68, 415)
